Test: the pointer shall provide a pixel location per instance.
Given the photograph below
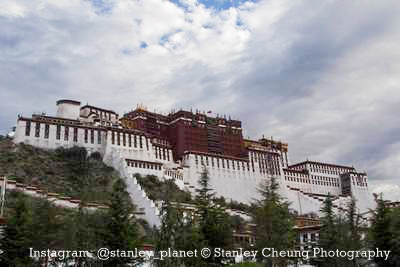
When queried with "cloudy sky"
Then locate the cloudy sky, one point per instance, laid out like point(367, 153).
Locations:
point(322, 75)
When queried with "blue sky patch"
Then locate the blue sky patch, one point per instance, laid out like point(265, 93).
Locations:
point(216, 4)
point(102, 6)
point(143, 45)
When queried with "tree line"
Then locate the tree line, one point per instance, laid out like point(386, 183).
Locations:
point(40, 225)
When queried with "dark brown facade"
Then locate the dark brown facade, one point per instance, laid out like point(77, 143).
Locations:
point(188, 131)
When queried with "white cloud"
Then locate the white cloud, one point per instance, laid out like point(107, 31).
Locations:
point(388, 191)
point(323, 76)
point(11, 9)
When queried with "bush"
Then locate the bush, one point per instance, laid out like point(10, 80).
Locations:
point(158, 189)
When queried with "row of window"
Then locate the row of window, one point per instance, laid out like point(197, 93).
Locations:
point(102, 114)
point(174, 174)
point(116, 138)
point(328, 169)
point(88, 132)
point(143, 164)
point(161, 153)
point(228, 163)
point(360, 181)
point(307, 181)
point(322, 178)
point(264, 168)
point(269, 166)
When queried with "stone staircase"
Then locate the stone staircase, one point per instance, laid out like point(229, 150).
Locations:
point(147, 208)
point(57, 199)
point(338, 201)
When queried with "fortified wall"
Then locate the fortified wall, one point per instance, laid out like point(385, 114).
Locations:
point(181, 145)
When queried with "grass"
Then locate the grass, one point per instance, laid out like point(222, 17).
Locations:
point(158, 189)
point(65, 171)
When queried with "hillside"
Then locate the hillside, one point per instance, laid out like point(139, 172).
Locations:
point(66, 171)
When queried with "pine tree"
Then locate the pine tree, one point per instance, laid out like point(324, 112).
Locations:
point(274, 223)
point(214, 222)
point(45, 227)
point(167, 235)
point(353, 239)
point(120, 232)
point(394, 258)
point(190, 238)
point(328, 237)
point(82, 236)
point(17, 238)
point(381, 231)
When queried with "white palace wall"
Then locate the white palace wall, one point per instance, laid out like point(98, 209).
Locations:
point(235, 179)
point(94, 141)
point(239, 181)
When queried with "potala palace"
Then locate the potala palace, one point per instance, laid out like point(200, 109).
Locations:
point(181, 144)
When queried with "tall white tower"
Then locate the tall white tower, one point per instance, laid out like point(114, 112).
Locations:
point(68, 109)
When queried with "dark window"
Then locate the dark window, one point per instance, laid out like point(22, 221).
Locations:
point(147, 143)
point(75, 134)
point(99, 137)
point(113, 138)
point(92, 136)
point(134, 141)
point(130, 140)
point(86, 135)
point(124, 138)
point(46, 131)
point(37, 129)
point(28, 128)
point(118, 138)
point(58, 133)
point(66, 132)
point(140, 142)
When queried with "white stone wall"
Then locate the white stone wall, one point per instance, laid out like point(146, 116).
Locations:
point(364, 199)
point(68, 111)
point(138, 195)
point(237, 184)
point(105, 116)
point(52, 142)
point(147, 152)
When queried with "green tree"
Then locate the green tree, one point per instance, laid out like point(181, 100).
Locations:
point(274, 223)
point(120, 232)
point(353, 240)
point(190, 238)
point(46, 225)
point(166, 237)
point(328, 236)
point(17, 238)
point(214, 222)
point(82, 233)
point(395, 241)
point(381, 233)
